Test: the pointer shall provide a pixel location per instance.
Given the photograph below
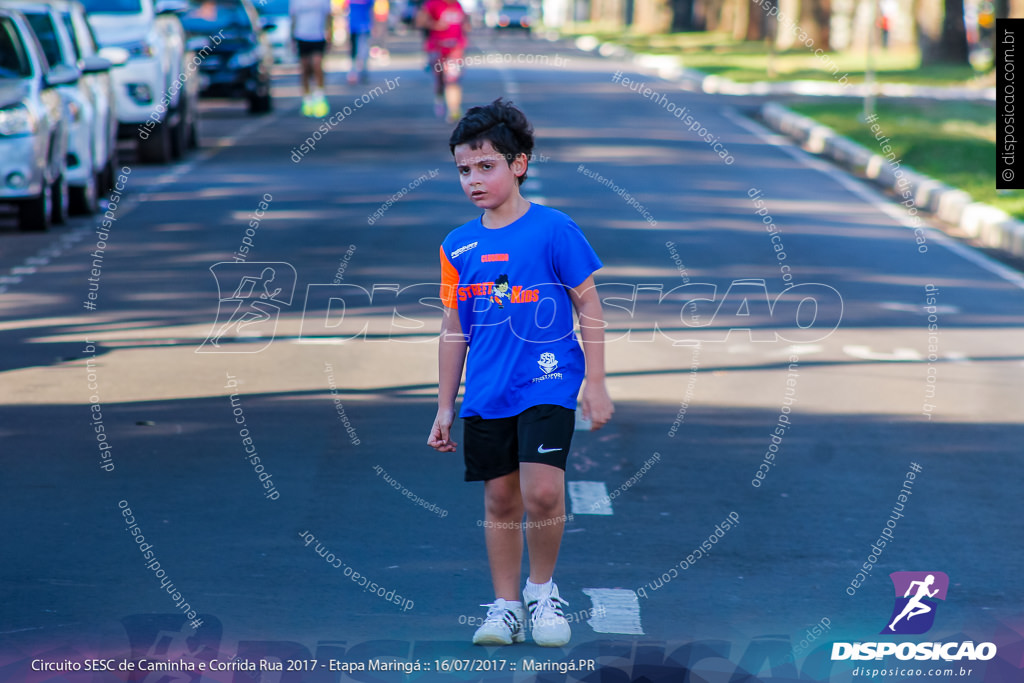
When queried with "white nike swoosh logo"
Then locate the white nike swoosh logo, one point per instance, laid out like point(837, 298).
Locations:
point(541, 449)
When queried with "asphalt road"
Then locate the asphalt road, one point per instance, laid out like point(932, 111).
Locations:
point(717, 331)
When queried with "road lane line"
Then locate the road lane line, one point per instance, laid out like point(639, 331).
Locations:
point(589, 498)
point(615, 610)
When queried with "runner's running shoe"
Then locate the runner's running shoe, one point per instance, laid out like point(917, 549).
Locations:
point(503, 625)
point(320, 108)
point(547, 617)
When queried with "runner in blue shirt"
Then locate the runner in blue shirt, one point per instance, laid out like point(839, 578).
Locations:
point(360, 26)
point(511, 280)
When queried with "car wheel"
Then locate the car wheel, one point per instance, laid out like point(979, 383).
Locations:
point(156, 149)
point(193, 133)
point(179, 139)
point(34, 214)
point(261, 104)
point(109, 175)
point(61, 201)
point(85, 199)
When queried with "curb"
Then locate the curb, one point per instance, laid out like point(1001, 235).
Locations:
point(991, 227)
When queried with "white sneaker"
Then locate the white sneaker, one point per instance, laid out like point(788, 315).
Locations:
point(547, 618)
point(503, 625)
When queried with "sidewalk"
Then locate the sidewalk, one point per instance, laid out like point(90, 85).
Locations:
point(987, 225)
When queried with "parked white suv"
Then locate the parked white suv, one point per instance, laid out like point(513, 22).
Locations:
point(157, 95)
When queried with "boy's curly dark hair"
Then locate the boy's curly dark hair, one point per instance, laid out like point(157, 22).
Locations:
point(501, 124)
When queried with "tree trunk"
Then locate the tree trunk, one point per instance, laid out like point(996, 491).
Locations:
point(941, 33)
point(1006, 9)
point(652, 16)
point(740, 19)
point(711, 12)
point(683, 15)
point(816, 19)
point(757, 22)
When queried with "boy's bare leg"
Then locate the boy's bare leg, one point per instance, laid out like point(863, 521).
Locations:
point(543, 489)
point(503, 504)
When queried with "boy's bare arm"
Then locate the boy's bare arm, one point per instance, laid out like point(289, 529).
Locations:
point(451, 357)
point(595, 401)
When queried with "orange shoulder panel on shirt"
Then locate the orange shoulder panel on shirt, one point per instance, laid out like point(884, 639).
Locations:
point(449, 281)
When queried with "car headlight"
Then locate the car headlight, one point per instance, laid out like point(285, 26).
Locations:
point(17, 120)
point(242, 60)
point(139, 49)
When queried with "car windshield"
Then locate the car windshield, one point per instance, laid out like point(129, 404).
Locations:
point(47, 34)
point(113, 6)
point(207, 15)
point(14, 63)
point(276, 8)
point(69, 24)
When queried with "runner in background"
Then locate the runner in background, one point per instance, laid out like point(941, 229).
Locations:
point(313, 32)
point(360, 26)
point(447, 26)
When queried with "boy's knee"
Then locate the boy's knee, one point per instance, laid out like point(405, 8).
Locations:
point(544, 501)
point(503, 502)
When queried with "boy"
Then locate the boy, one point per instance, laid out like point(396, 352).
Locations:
point(524, 366)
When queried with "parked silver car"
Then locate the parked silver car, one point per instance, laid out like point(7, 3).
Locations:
point(33, 135)
point(88, 126)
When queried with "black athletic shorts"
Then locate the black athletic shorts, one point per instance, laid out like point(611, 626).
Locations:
point(310, 47)
point(493, 448)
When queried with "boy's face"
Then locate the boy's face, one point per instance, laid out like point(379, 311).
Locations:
point(487, 178)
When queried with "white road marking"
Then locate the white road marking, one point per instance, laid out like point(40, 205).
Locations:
point(799, 350)
point(898, 355)
point(919, 309)
point(589, 498)
point(615, 610)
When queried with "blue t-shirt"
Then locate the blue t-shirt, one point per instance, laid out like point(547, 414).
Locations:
point(510, 288)
point(360, 16)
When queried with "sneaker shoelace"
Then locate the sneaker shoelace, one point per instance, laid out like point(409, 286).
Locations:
point(547, 609)
point(496, 612)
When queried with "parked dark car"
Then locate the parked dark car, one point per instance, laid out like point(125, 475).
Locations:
point(230, 39)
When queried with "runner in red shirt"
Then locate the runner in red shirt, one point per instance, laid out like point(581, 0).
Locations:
point(447, 25)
